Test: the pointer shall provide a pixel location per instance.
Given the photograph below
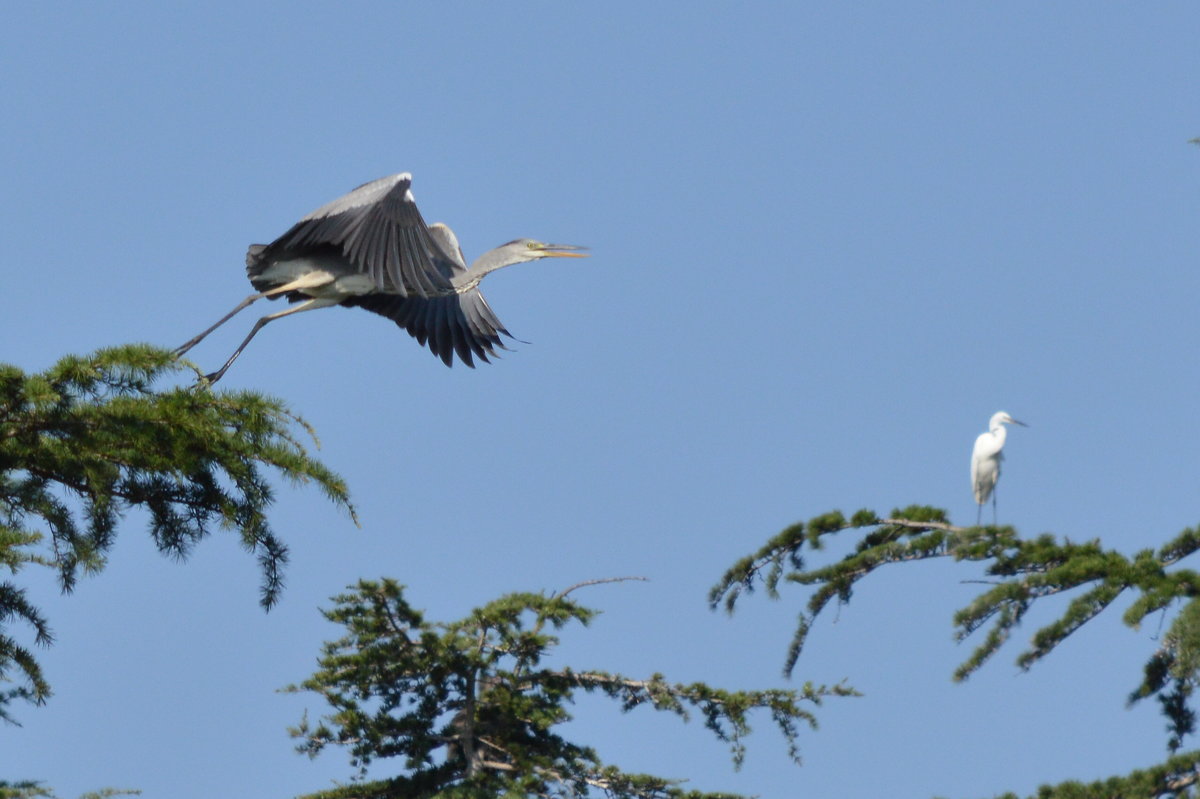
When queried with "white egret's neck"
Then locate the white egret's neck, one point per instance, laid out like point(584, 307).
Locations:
point(1000, 433)
point(998, 421)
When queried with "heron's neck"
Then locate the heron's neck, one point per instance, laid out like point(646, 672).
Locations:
point(1001, 433)
point(490, 261)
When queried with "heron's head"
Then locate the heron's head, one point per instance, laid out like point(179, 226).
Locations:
point(1003, 418)
point(533, 250)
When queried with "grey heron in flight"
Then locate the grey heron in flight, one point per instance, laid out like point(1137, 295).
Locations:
point(985, 461)
point(371, 249)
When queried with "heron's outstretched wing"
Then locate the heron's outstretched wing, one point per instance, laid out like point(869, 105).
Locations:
point(458, 323)
point(448, 243)
point(380, 231)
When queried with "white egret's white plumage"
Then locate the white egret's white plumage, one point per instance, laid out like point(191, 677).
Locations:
point(371, 249)
point(985, 461)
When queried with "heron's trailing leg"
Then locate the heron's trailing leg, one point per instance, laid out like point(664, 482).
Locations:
point(310, 305)
point(197, 339)
point(308, 281)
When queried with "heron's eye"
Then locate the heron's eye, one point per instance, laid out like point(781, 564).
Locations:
point(533, 245)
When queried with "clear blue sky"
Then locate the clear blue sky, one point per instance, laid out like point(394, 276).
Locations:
point(829, 242)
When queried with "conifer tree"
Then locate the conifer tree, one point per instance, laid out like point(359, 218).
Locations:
point(93, 438)
point(35, 790)
point(1020, 573)
point(470, 710)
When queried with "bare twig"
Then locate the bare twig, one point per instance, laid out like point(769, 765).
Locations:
point(598, 581)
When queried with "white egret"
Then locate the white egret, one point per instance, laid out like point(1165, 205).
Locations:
point(985, 461)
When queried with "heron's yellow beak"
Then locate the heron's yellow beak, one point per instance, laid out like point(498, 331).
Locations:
point(563, 251)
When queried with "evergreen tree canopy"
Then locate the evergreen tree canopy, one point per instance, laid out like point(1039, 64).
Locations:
point(470, 710)
point(1020, 572)
point(91, 439)
point(34, 790)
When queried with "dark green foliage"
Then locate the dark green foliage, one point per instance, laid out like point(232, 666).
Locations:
point(92, 438)
point(470, 710)
point(35, 790)
point(1174, 779)
point(1020, 572)
point(16, 550)
point(1171, 674)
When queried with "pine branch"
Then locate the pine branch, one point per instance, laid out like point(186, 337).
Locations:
point(1173, 779)
point(471, 694)
point(599, 581)
point(1021, 571)
point(95, 437)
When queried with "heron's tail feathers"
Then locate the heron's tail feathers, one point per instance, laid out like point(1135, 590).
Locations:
point(254, 261)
